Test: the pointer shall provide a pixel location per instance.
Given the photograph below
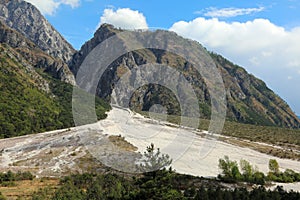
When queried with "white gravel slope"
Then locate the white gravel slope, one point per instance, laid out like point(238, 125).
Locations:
point(141, 131)
point(57, 152)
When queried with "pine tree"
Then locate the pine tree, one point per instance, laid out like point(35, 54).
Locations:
point(153, 160)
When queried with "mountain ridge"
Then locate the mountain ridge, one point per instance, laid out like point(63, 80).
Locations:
point(27, 19)
point(36, 87)
point(32, 53)
point(249, 99)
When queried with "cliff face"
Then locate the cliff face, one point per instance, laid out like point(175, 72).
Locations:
point(36, 89)
point(100, 35)
point(33, 55)
point(35, 80)
point(28, 101)
point(27, 36)
point(27, 20)
point(249, 100)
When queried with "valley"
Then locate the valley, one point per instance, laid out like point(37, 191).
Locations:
point(104, 120)
point(59, 153)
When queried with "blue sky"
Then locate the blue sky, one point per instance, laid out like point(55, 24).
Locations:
point(260, 35)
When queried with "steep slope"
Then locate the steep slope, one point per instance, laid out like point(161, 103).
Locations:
point(39, 59)
point(27, 19)
point(31, 101)
point(24, 103)
point(36, 89)
point(249, 100)
point(100, 35)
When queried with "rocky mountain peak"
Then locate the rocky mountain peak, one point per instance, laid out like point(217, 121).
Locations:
point(27, 19)
point(249, 100)
point(103, 32)
point(33, 55)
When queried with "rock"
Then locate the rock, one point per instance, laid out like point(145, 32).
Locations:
point(249, 100)
point(27, 19)
point(34, 55)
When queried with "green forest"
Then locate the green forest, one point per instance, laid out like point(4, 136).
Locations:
point(26, 109)
point(166, 185)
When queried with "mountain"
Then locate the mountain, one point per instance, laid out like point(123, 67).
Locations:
point(36, 85)
point(249, 100)
point(32, 53)
point(35, 57)
point(27, 20)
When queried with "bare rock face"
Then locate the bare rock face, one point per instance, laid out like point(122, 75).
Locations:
point(249, 100)
point(100, 35)
point(34, 55)
point(27, 19)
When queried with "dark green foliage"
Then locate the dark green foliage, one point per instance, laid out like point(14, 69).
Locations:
point(8, 179)
point(68, 191)
point(23, 176)
point(242, 194)
point(231, 173)
point(165, 186)
point(258, 178)
point(230, 170)
point(42, 194)
point(26, 109)
point(202, 194)
point(288, 176)
point(10, 176)
point(95, 192)
point(273, 166)
point(23, 108)
point(251, 175)
point(154, 160)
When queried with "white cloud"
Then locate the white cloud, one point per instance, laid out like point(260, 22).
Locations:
point(72, 3)
point(124, 18)
point(231, 12)
point(269, 44)
point(266, 50)
point(48, 7)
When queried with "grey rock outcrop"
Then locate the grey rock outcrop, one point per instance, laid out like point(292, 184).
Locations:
point(34, 55)
point(100, 35)
point(249, 100)
point(27, 19)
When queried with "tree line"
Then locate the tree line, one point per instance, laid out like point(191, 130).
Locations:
point(245, 172)
point(162, 183)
